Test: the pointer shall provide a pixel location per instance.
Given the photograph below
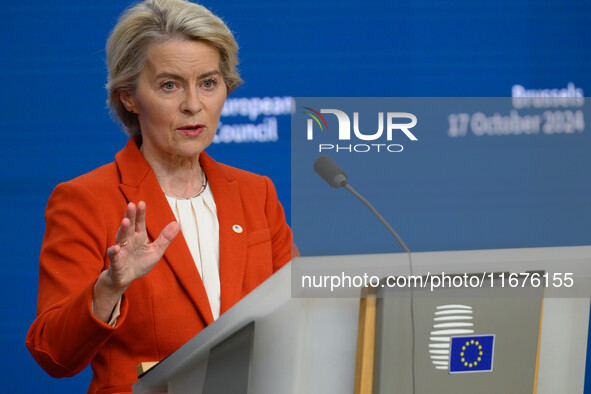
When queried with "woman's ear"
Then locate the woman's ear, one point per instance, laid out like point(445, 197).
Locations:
point(128, 102)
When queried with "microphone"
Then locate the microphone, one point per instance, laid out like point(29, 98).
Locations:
point(330, 171)
point(336, 177)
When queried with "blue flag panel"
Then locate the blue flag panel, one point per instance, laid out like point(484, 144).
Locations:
point(471, 354)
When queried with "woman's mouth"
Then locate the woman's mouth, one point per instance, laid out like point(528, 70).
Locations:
point(191, 130)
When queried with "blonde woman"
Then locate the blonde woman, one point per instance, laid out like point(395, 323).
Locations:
point(141, 254)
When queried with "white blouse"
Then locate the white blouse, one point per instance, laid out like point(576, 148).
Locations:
point(198, 220)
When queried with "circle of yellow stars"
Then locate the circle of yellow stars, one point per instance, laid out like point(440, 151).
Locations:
point(462, 354)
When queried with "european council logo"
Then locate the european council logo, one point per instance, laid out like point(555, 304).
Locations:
point(471, 354)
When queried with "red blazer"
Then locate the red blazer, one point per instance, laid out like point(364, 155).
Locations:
point(168, 306)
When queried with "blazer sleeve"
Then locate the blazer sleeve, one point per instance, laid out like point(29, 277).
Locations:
point(281, 237)
point(66, 335)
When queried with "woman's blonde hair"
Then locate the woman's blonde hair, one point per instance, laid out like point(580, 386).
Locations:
point(156, 21)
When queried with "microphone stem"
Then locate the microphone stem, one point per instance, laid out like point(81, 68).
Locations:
point(401, 242)
point(350, 189)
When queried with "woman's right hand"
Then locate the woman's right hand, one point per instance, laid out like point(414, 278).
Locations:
point(131, 258)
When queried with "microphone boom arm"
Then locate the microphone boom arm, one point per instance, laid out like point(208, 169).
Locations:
point(377, 214)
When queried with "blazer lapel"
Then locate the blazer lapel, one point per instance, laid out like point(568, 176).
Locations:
point(139, 183)
point(233, 231)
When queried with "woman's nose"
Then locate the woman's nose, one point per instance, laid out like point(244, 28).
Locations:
point(192, 102)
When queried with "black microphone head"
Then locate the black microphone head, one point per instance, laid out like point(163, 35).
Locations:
point(334, 175)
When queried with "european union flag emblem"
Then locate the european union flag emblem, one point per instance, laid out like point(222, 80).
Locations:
point(471, 354)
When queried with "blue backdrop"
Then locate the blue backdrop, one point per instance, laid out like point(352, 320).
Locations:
point(484, 173)
point(56, 126)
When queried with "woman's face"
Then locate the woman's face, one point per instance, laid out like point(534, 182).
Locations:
point(178, 99)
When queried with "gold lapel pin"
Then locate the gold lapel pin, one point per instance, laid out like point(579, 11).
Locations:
point(237, 229)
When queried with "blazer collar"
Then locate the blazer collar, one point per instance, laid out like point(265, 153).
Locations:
point(139, 183)
point(233, 242)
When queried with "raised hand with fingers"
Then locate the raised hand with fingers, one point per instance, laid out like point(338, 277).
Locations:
point(131, 258)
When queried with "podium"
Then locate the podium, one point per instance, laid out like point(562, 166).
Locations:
point(306, 342)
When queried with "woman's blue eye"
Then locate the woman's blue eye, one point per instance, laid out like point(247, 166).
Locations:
point(169, 85)
point(209, 84)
